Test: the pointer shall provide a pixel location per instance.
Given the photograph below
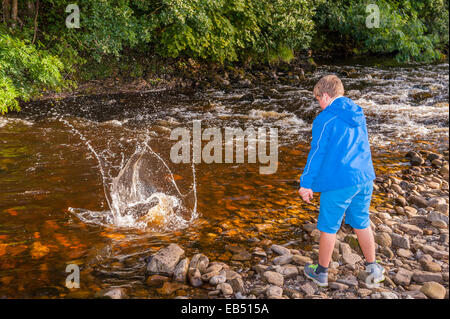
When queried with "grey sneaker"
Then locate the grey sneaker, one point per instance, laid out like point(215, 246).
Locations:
point(320, 279)
point(376, 273)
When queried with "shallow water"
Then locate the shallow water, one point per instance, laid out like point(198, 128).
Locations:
point(77, 175)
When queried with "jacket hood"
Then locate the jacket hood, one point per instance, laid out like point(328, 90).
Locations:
point(347, 110)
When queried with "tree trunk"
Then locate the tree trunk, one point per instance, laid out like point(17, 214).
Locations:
point(14, 13)
point(6, 11)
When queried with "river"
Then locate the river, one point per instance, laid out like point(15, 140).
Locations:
point(68, 167)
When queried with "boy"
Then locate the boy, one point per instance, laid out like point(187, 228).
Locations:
point(339, 166)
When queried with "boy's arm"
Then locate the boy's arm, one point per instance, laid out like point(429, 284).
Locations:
point(320, 140)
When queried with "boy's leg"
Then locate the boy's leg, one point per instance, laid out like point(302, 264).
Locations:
point(367, 243)
point(326, 246)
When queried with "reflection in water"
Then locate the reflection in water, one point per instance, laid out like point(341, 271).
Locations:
point(85, 180)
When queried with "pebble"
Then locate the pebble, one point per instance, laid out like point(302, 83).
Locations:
point(273, 278)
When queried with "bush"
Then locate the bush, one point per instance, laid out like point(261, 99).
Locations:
point(409, 31)
point(25, 71)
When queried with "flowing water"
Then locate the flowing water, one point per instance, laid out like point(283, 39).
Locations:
point(90, 181)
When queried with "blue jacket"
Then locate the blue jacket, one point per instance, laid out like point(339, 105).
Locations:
point(340, 152)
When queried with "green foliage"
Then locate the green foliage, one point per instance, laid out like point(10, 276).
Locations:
point(413, 30)
point(114, 32)
point(24, 71)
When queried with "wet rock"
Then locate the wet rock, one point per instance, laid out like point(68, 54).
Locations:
point(242, 256)
point(225, 288)
point(200, 262)
point(165, 260)
point(181, 269)
point(169, 288)
point(274, 278)
point(156, 281)
point(280, 250)
point(400, 241)
point(194, 277)
point(433, 290)
point(231, 274)
point(403, 277)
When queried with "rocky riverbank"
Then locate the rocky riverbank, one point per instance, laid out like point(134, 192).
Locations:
point(411, 234)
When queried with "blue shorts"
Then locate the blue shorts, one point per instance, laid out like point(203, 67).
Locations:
point(353, 201)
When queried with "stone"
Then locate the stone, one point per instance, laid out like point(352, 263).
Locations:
point(181, 269)
point(403, 277)
point(420, 276)
point(273, 278)
point(383, 239)
point(433, 290)
point(435, 216)
point(439, 224)
point(386, 251)
point(406, 253)
point(165, 260)
point(410, 211)
point(200, 262)
point(411, 229)
point(347, 255)
point(388, 295)
point(301, 260)
point(242, 256)
point(156, 281)
point(282, 260)
point(208, 275)
point(194, 277)
point(225, 288)
point(349, 280)
point(288, 271)
point(218, 279)
point(414, 294)
point(115, 293)
point(337, 286)
point(238, 285)
point(274, 291)
point(443, 208)
point(307, 289)
point(418, 200)
point(431, 266)
point(280, 250)
point(400, 241)
point(170, 287)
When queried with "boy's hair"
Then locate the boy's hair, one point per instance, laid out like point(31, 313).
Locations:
point(329, 84)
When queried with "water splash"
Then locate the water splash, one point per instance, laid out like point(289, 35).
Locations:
point(144, 193)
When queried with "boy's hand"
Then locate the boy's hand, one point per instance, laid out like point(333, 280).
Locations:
point(306, 194)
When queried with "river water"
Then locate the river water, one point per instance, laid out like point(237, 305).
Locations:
point(89, 180)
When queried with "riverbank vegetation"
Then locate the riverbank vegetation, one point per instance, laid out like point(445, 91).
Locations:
point(39, 52)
